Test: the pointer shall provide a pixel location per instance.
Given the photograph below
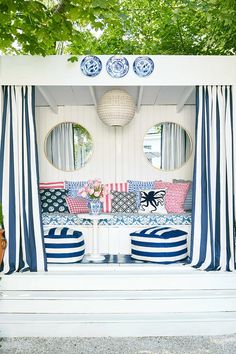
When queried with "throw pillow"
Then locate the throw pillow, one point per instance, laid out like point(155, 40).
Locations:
point(188, 199)
point(77, 205)
point(123, 202)
point(137, 186)
point(53, 201)
point(51, 185)
point(175, 195)
point(118, 187)
point(73, 187)
point(153, 201)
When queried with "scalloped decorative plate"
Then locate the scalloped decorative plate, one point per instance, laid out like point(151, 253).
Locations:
point(91, 66)
point(117, 67)
point(143, 66)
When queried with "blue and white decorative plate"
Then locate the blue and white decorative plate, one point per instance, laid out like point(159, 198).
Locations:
point(91, 66)
point(117, 66)
point(143, 66)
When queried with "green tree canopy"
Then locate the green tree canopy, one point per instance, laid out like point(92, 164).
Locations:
point(118, 27)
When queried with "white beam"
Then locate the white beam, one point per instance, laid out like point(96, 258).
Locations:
point(93, 95)
point(184, 97)
point(140, 97)
point(49, 98)
point(157, 94)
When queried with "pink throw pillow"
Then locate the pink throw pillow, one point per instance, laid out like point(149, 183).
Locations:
point(117, 187)
point(77, 205)
point(175, 195)
point(51, 185)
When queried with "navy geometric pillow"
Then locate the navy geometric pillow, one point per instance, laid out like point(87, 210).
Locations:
point(123, 202)
point(53, 201)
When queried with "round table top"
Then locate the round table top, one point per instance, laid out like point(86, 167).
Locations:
point(101, 216)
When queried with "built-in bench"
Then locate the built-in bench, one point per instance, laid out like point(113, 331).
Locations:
point(114, 233)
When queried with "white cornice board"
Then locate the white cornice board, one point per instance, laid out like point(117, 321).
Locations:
point(169, 71)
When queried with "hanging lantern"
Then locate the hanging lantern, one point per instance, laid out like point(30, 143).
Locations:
point(116, 108)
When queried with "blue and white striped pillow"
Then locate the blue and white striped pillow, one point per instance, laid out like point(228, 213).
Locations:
point(73, 187)
point(137, 186)
point(64, 245)
point(159, 244)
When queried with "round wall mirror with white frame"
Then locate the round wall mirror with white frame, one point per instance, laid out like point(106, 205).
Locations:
point(167, 146)
point(68, 146)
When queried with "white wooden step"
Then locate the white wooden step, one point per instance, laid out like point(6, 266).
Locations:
point(96, 325)
point(120, 279)
point(118, 302)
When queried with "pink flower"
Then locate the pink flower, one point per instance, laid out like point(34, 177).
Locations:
point(96, 194)
point(91, 191)
point(84, 194)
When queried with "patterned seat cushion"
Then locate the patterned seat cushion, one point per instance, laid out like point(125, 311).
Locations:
point(136, 219)
point(159, 244)
point(64, 245)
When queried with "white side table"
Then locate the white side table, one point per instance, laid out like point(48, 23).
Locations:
point(95, 256)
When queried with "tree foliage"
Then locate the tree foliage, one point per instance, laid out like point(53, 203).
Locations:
point(118, 27)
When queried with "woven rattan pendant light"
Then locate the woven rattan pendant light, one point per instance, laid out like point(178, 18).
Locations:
point(116, 108)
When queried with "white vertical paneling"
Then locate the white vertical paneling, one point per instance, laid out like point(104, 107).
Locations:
point(117, 154)
point(101, 163)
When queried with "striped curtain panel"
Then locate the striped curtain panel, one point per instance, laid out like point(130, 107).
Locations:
point(19, 181)
point(213, 215)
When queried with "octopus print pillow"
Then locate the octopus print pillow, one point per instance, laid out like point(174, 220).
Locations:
point(153, 201)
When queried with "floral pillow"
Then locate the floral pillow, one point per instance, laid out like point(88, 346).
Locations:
point(53, 201)
point(153, 201)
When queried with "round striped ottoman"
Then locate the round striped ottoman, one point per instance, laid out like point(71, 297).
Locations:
point(159, 244)
point(64, 245)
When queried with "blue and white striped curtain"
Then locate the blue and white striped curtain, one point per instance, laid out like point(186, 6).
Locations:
point(213, 215)
point(19, 180)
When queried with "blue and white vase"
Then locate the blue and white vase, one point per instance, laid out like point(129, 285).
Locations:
point(95, 206)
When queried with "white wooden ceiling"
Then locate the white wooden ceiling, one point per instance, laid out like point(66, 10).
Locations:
point(87, 95)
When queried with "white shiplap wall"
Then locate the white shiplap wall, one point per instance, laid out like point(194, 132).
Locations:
point(117, 154)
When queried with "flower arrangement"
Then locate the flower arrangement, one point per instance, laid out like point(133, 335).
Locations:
point(94, 190)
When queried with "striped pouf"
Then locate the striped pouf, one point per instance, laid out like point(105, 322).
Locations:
point(159, 244)
point(64, 245)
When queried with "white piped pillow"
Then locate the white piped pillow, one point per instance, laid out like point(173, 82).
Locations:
point(152, 201)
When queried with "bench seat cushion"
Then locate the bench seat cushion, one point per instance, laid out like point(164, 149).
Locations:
point(64, 245)
point(159, 244)
point(135, 219)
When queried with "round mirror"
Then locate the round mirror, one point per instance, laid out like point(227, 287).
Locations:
point(68, 146)
point(167, 146)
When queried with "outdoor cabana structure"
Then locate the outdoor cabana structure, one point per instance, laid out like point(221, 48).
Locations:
point(118, 295)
